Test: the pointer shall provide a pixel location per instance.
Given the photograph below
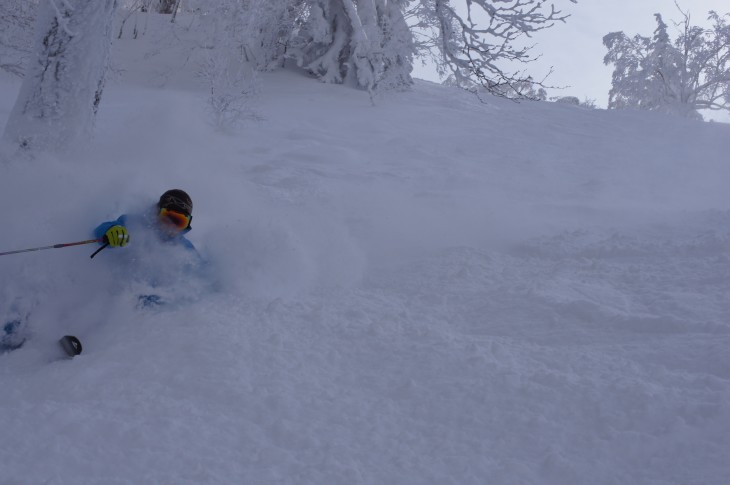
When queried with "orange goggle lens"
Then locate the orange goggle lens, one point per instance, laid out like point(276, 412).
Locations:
point(176, 219)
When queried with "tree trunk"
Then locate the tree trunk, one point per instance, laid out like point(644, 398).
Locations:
point(166, 6)
point(64, 81)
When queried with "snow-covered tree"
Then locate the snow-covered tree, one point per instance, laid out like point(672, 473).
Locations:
point(257, 31)
point(372, 44)
point(365, 43)
point(64, 81)
point(16, 29)
point(680, 77)
point(397, 45)
point(264, 28)
point(159, 6)
point(231, 57)
point(478, 39)
point(231, 88)
point(241, 38)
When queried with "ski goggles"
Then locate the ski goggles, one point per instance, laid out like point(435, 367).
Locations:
point(175, 219)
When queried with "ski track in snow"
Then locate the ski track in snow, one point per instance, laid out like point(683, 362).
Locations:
point(430, 290)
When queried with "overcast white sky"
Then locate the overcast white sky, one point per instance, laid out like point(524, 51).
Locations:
point(575, 49)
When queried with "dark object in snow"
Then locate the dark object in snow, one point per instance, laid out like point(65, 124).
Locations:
point(11, 337)
point(71, 345)
point(149, 301)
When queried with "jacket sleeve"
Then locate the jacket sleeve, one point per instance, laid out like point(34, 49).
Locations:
point(193, 250)
point(104, 226)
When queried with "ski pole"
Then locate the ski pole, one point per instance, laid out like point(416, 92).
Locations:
point(56, 246)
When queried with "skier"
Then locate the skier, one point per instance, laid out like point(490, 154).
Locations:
point(160, 252)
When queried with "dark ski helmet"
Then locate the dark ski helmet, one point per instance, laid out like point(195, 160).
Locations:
point(177, 200)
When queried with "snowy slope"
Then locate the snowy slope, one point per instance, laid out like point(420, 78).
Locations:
point(429, 290)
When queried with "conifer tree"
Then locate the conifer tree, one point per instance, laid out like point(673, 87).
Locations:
point(680, 77)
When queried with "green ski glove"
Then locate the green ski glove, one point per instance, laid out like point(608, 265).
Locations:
point(116, 236)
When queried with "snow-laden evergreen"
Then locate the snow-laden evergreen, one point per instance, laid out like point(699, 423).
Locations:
point(680, 77)
point(431, 290)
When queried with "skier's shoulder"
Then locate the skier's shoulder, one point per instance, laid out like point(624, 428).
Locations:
point(121, 220)
point(187, 244)
point(101, 229)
